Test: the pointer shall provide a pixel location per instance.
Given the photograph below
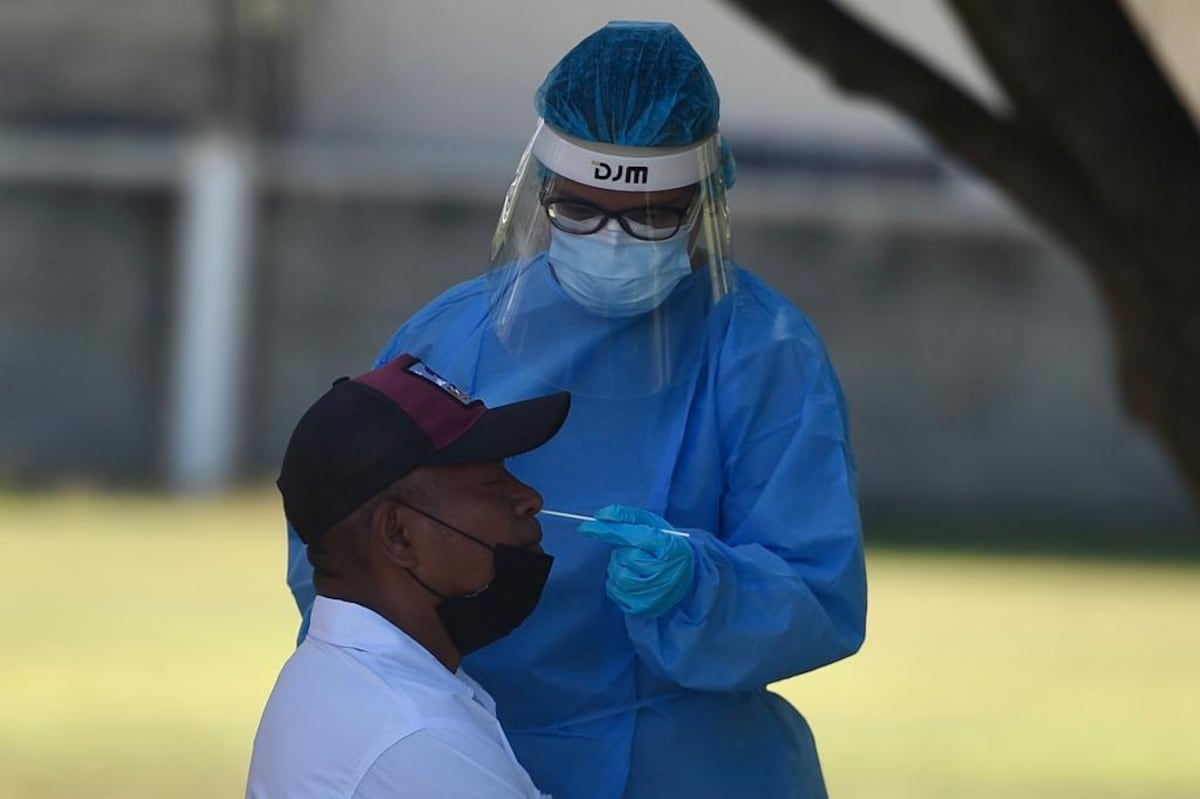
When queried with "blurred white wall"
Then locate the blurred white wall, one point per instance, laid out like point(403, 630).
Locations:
point(460, 73)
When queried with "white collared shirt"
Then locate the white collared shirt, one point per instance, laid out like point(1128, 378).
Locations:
point(362, 711)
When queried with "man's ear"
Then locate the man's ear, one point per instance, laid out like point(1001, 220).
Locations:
point(390, 535)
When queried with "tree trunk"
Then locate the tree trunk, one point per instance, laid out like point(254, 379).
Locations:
point(1098, 151)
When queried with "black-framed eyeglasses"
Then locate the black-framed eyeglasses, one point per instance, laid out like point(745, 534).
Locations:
point(646, 222)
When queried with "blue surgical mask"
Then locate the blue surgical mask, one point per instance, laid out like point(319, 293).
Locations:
point(612, 273)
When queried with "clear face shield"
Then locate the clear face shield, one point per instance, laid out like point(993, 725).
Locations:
point(608, 261)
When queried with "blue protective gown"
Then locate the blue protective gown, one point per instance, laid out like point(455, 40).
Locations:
point(747, 449)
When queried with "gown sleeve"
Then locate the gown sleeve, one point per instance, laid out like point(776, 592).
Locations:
point(780, 589)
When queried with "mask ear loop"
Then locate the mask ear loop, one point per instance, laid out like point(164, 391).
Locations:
point(426, 585)
point(447, 525)
point(464, 534)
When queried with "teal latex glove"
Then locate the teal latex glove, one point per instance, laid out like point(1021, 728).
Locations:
point(649, 571)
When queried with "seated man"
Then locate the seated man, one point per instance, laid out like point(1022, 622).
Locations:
point(423, 548)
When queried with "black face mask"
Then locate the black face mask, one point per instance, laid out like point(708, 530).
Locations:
point(474, 621)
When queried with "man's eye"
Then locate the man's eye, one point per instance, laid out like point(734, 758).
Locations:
point(492, 478)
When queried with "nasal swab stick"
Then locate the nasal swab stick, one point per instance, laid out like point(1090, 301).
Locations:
point(580, 518)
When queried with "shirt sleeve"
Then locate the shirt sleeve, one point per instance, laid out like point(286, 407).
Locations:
point(300, 580)
point(445, 764)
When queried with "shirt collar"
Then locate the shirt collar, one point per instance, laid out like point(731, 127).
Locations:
point(352, 626)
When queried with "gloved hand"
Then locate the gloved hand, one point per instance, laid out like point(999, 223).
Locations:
point(649, 571)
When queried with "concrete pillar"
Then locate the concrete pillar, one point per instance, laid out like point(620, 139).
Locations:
point(212, 297)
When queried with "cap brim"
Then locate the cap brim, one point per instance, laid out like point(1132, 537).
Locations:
point(507, 431)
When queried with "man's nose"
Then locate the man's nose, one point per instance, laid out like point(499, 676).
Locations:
point(526, 499)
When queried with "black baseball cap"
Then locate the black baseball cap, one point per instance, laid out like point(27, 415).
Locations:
point(364, 434)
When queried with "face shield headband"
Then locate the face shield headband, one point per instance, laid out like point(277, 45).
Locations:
point(618, 168)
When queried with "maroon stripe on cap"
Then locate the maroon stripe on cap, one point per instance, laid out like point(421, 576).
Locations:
point(441, 415)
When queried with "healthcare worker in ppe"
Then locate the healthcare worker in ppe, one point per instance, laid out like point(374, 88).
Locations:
point(703, 402)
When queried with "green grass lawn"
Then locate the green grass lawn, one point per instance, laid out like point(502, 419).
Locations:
point(141, 637)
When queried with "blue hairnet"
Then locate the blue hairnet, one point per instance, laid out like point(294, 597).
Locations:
point(638, 84)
